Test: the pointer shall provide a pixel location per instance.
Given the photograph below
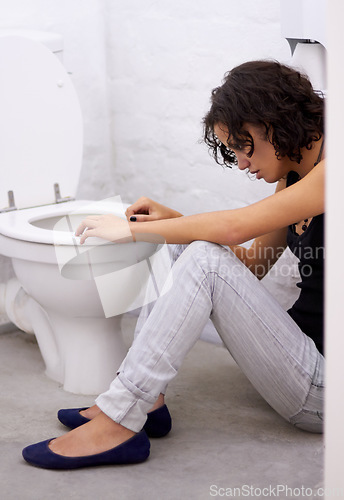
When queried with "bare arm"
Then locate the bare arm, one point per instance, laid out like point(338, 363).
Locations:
point(304, 199)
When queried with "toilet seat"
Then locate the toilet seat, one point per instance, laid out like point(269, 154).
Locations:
point(40, 125)
point(40, 146)
point(28, 224)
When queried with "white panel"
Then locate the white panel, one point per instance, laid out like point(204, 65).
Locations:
point(40, 125)
point(334, 430)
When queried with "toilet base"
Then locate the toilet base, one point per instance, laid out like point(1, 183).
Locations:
point(82, 353)
point(91, 351)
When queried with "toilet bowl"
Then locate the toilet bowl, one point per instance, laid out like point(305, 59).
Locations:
point(71, 297)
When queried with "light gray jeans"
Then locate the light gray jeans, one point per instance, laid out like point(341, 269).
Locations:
point(209, 281)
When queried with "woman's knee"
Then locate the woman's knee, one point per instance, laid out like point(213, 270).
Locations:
point(206, 249)
point(212, 257)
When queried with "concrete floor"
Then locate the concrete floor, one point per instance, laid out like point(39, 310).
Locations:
point(224, 436)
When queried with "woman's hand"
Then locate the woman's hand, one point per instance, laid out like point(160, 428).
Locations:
point(145, 209)
point(109, 227)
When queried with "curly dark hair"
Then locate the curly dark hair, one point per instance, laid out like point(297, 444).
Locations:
point(265, 93)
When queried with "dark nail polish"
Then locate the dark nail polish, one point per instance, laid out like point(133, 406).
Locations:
point(132, 218)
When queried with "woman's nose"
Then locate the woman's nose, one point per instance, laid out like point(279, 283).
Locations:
point(243, 162)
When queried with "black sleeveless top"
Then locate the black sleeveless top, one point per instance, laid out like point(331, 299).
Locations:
point(308, 310)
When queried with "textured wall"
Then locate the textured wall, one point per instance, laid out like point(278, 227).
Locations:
point(143, 71)
point(163, 60)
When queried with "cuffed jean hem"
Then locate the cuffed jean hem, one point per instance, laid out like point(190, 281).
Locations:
point(134, 407)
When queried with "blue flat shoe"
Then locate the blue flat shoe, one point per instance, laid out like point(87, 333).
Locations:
point(132, 451)
point(70, 417)
point(158, 423)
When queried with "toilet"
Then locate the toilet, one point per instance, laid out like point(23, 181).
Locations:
point(71, 297)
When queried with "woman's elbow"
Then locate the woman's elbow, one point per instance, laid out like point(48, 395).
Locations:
point(233, 235)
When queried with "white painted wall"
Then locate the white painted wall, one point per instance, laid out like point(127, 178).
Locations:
point(144, 71)
point(164, 60)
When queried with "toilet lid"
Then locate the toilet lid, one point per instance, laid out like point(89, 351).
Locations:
point(40, 125)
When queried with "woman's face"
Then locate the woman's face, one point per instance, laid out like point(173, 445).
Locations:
point(263, 162)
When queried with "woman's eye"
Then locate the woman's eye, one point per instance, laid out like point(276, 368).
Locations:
point(241, 148)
